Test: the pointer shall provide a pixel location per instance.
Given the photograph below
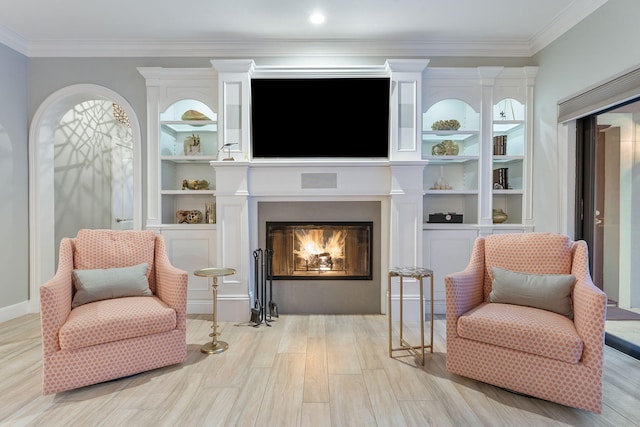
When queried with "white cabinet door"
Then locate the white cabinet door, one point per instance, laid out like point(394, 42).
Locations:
point(445, 252)
point(192, 250)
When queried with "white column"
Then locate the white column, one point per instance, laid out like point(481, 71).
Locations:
point(527, 212)
point(406, 231)
point(485, 201)
point(232, 239)
point(234, 95)
point(405, 108)
point(232, 193)
point(152, 77)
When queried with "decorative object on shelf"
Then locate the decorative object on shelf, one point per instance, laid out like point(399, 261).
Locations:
point(445, 148)
point(192, 145)
point(499, 216)
point(501, 179)
point(452, 124)
point(210, 212)
point(500, 145)
point(503, 110)
point(189, 217)
point(194, 115)
point(227, 146)
point(443, 218)
point(440, 183)
point(195, 184)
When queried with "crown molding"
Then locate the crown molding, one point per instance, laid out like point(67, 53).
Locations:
point(266, 48)
point(13, 41)
point(567, 19)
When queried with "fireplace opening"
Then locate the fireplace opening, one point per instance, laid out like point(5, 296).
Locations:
point(320, 250)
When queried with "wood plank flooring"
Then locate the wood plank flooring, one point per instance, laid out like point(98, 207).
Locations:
point(304, 370)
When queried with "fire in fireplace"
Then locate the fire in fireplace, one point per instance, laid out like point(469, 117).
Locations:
point(320, 250)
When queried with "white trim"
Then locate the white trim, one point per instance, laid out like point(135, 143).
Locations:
point(13, 311)
point(566, 161)
point(279, 47)
point(618, 89)
point(41, 177)
point(13, 40)
point(567, 19)
point(231, 308)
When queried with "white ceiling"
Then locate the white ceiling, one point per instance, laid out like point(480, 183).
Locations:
point(511, 28)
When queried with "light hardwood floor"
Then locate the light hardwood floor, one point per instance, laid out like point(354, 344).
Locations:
point(305, 370)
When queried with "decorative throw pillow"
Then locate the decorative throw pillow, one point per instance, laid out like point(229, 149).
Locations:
point(550, 292)
point(95, 285)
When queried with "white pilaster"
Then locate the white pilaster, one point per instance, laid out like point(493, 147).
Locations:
point(405, 114)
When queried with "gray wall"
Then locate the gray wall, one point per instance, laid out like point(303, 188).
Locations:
point(14, 184)
point(598, 48)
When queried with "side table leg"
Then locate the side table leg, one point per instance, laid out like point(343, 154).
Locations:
point(214, 346)
point(421, 320)
point(389, 314)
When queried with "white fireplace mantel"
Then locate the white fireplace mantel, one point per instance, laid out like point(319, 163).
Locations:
point(241, 185)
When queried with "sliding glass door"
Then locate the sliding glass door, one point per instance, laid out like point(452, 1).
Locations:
point(608, 193)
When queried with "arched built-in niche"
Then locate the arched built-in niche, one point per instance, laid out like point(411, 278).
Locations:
point(42, 245)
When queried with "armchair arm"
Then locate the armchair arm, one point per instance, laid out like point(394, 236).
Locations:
point(464, 289)
point(55, 298)
point(589, 308)
point(171, 283)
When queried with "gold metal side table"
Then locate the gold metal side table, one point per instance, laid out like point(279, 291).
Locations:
point(419, 274)
point(213, 273)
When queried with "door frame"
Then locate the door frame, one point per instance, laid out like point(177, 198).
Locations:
point(42, 245)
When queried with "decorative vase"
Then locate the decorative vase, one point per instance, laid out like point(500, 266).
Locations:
point(210, 215)
point(499, 216)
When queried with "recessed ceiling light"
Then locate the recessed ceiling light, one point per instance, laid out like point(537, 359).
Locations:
point(316, 18)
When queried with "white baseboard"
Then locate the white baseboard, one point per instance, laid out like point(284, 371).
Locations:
point(13, 311)
point(231, 308)
point(411, 308)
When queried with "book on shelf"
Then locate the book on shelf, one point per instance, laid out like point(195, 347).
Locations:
point(500, 145)
point(501, 179)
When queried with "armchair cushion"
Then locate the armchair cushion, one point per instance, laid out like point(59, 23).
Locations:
point(113, 320)
point(545, 291)
point(106, 249)
point(525, 329)
point(106, 283)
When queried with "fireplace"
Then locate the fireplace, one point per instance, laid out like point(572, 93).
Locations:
point(321, 250)
point(323, 293)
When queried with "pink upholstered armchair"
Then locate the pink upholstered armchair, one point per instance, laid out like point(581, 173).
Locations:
point(528, 345)
point(128, 316)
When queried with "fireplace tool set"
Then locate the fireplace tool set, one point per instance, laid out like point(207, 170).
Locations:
point(263, 312)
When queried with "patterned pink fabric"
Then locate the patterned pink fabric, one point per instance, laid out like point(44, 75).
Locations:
point(117, 319)
point(498, 355)
point(110, 339)
point(106, 249)
point(523, 328)
point(546, 254)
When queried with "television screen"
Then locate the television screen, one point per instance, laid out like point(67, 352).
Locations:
point(320, 117)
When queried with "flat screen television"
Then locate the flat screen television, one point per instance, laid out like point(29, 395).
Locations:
point(320, 117)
